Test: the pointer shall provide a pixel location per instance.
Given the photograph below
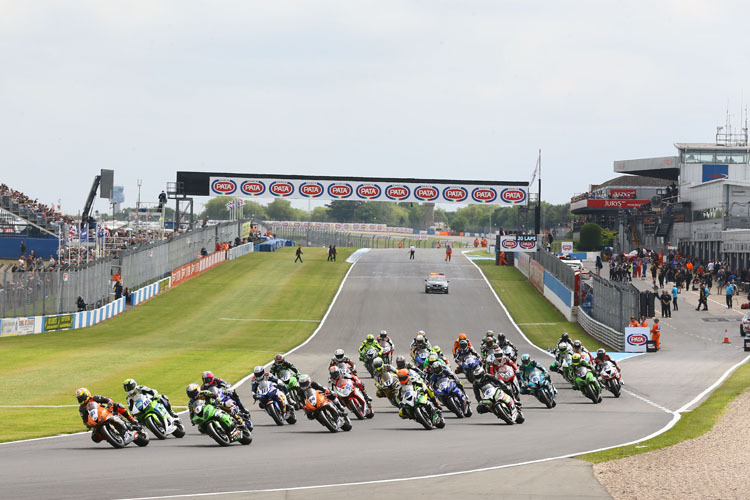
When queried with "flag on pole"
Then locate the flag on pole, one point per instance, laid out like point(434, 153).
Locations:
point(72, 233)
point(85, 232)
point(536, 169)
point(230, 205)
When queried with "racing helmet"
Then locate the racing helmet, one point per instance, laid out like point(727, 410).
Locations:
point(400, 362)
point(339, 354)
point(403, 376)
point(279, 358)
point(463, 344)
point(576, 359)
point(422, 333)
point(419, 339)
point(370, 337)
point(478, 372)
point(259, 371)
point(208, 377)
point(192, 391)
point(489, 333)
point(334, 373)
point(377, 364)
point(501, 338)
point(461, 336)
point(432, 358)
point(565, 337)
point(601, 353)
point(562, 347)
point(525, 358)
point(577, 344)
point(436, 368)
point(83, 395)
point(129, 385)
point(304, 381)
point(437, 350)
point(383, 334)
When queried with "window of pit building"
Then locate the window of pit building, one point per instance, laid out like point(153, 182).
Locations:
point(713, 157)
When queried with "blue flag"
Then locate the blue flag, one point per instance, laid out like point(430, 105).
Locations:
point(85, 233)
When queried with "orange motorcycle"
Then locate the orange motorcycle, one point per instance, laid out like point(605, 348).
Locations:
point(324, 411)
point(107, 425)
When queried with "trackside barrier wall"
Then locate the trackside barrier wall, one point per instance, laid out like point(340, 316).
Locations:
point(601, 332)
point(90, 318)
point(563, 272)
point(187, 271)
point(522, 263)
point(56, 322)
point(614, 302)
point(145, 293)
point(561, 297)
point(236, 252)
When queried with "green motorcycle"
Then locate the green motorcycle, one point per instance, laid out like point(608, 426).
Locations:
point(219, 424)
point(417, 406)
point(586, 382)
point(152, 413)
point(501, 404)
point(289, 379)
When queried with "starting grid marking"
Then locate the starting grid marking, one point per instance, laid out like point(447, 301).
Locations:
point(273, 320)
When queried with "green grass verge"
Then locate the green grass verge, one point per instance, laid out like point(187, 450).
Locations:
point(166, 342)
point(540, 321)
point(692, 424)
point(481, 252)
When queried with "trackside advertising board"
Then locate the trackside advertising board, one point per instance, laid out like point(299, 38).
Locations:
point(368, 190)
point(566, 247)
point(635, 338)
point(518, 243)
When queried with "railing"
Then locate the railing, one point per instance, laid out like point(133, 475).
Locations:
point(326, 237)
point(601, 332)
point(614, 302)
point(557, 267)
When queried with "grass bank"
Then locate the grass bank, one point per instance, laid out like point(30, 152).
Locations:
point(540, 321)
point(166, 342)
point(692, 424)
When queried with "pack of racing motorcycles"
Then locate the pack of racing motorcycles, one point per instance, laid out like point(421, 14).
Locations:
point(421, 388)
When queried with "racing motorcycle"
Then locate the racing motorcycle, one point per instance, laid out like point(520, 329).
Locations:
point(106, 424)
point(421, 356)
point(227, 401)
point(387, 352)
point(467, 366)
point(388, 387)
point(501, 404)
point(417, 406)
point(353, 398)
point(222, 427)
point(318, 406)
point(562, 365)
point(452, 396)
point(510, 352)
point(540, 385)
point(507, 374)
point(289, 379)
point(586, 382)
point(152, 413)
point(369, 356)
point(271, 399)
point(611, 378)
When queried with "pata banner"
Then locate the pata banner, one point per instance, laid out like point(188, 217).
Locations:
point(518, 243)
point(375, 190)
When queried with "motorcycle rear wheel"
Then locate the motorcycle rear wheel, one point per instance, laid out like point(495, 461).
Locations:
point(179, 432)
point(247, 437)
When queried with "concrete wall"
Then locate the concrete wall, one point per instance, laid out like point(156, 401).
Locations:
point(559, 295)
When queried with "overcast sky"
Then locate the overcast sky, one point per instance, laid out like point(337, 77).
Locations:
point(438, 89)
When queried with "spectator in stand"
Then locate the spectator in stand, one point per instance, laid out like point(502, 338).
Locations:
point(23, 248)
point(81, 304)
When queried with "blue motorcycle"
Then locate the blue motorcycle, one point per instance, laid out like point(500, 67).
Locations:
point(234, 410)
point(468, 365)
point(271, 399)
point(452, 396)
point(421, 356)
point(540, 385)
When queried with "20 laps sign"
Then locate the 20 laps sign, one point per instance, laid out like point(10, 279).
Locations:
point(518, 243)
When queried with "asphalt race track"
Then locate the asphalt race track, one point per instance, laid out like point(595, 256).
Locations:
point(383, 290)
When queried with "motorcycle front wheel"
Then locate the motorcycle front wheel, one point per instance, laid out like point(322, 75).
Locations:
point(112, 435)
point(217, 433)
point(156, 426)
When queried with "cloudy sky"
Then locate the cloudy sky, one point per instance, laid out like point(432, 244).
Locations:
point(431, 88)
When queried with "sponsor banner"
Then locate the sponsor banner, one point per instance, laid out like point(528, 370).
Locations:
point(518, 243)
point(635, 338)
point(566, 247)
point(536, 275)
point(496, 194)
point(60, 322)
point(17, 326)
point(613, 203)
point(628, 193)
point(196, 267)
point(715, 172)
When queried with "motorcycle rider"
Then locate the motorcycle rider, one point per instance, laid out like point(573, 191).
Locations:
point(482, 378)
point(488, 344)
point(132, 389)
point(601, 357)
point(260, 374)
point(338, 358)
point(195, 394)
point(580, 349)
point(420, 342)
point(384, 339)
point(280, 364)
point(499, 359)
point(334, 374)
point(436, 350)
point(405, 378)
point(369, 343)
point(402, 363)
point(464, 350)
point(305, 382)
point(565, 337)
point(436, 372)
point(381, 369)
point(527, 365)
point(578, 360)
point(457, 342)
point(83, 396)
point(210, 381)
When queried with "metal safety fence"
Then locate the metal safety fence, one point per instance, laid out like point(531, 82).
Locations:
point(614, 302)
point(327, 237)
point(55, 292)
point(558, 268)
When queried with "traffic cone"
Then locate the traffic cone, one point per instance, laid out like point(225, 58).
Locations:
point(726, 337)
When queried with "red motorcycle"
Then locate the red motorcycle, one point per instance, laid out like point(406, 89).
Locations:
point(507, 374)
point(353, 398)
